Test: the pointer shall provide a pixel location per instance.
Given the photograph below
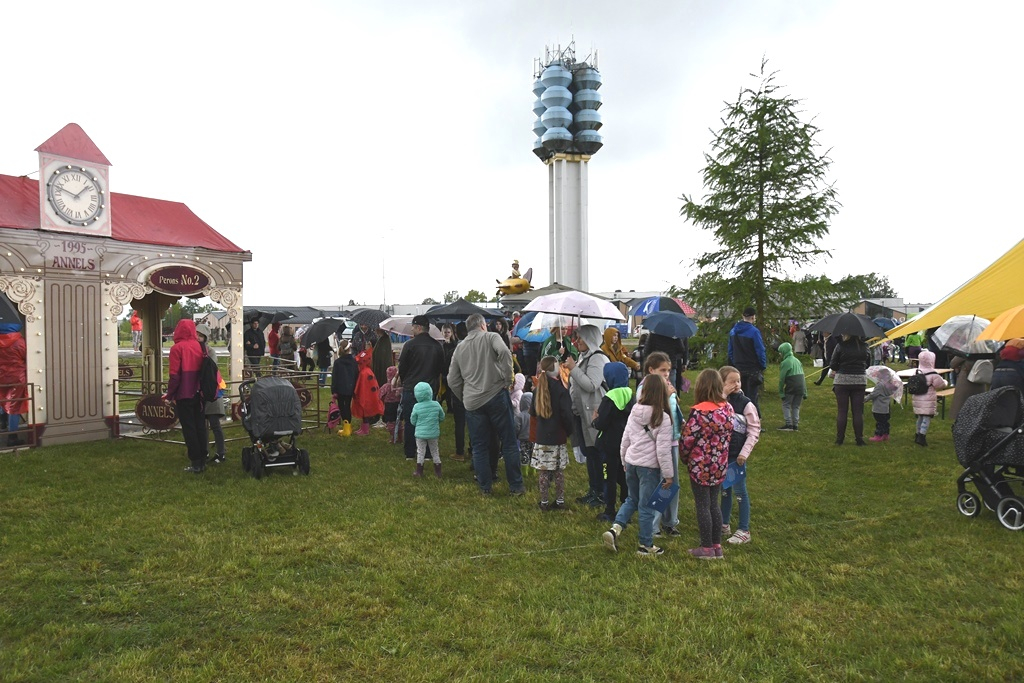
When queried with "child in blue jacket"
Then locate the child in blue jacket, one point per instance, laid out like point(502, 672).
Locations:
point(426, 416)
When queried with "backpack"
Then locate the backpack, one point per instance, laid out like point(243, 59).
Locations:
point(333, 415)
point(208, 382)
point(918, 383)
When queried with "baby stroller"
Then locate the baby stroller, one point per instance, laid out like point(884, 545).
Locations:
point(270, 412)
point(988, 439)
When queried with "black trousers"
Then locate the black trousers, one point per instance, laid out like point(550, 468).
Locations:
point(751, 383)
point(850, 398)
point(193, 428)
point(881, 423)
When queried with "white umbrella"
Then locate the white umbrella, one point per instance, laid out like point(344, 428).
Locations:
point(547, 321)
point(402, 324)
point(575, 303)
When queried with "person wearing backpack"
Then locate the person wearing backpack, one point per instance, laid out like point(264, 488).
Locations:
point(926, 401)
point(184, 363)
point(213, 408)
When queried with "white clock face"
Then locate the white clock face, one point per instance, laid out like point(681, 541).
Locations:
point(75, 195)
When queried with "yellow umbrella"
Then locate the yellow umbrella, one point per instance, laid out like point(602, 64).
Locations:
point(1007, 325)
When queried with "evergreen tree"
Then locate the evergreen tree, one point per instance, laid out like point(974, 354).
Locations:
point(767, 202)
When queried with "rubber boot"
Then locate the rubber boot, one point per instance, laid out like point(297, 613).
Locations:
point(437, 470)
point(364, 429)
point(346, 428)
point(923, 440)
point(419, 470)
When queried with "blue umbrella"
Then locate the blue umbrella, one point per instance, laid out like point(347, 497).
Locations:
point(655, 304)
point(884, 323)
point(522, 329)
point(670, 324)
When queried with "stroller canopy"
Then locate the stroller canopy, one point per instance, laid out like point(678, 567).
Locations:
point(983, 422)
point(274, 409)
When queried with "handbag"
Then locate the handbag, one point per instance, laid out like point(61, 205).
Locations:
point(981, 372)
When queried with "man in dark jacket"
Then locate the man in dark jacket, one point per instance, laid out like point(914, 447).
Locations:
point(255, 345)
point(422, 360)
point(747, 354)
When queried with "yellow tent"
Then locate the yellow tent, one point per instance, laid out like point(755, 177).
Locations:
point(989, 293)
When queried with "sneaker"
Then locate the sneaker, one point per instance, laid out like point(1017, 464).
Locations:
point(585, 500)
point(876, 438)
point(218, 459)
point(597, 502)
point(740, 536)
point(726, 530)
point(609, 537)
point(196, 469)
point(648, 551)
point(703, 553)
point(379, 424)
point(719, 555)
point(544, 506)
point(671, 531)
point(785, 428)
point(517, 492)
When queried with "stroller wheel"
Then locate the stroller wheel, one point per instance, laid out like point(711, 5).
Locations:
point(258, 470)
point(303, 461)
point(246, 459)
point(1011, 513)
point(968, 504)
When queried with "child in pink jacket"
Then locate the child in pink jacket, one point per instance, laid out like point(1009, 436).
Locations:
point(925, 404)
point(647, 457)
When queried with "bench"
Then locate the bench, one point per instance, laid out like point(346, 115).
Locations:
point(940, 396)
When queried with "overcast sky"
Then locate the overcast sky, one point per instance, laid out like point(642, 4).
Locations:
point(363, 150)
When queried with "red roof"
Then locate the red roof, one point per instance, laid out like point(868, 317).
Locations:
point(134, 219)
point(71, 141)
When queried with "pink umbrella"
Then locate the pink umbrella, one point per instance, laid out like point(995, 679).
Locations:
point(573, 303)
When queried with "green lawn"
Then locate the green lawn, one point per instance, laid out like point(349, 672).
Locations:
point(116, 566)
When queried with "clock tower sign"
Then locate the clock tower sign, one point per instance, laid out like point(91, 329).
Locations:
point(73, 180)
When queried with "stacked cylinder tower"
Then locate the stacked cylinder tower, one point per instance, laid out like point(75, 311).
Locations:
point(567, 127)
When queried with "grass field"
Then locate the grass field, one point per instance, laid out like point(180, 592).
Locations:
point(117, 566)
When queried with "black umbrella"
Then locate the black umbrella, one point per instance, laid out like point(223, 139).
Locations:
point(267, 317)
point(457, 312)
point(670, 324)
point(853, 324)
point(321, 330)
point(370, 316)
point(8, 314)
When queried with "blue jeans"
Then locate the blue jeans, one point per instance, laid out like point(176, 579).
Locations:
point(494, 417)
point(673, 505)
point(640, 483)
point(739, 490)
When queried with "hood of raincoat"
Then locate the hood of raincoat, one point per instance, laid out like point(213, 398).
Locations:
point(616, 375)
point(519, 382)
point(526, 402)
point(365, 358)
point(785, 349)
point(423, 392)
point(926, 361)
point(391, 372)
point(591, 335)
point(185, 330)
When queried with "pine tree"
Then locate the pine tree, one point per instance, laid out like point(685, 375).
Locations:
point(767, 202)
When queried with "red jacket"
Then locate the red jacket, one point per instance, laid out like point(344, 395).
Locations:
point(274, 338)
point(136, 322)
point(13, 356)
point(186, 359)
point(366, 401)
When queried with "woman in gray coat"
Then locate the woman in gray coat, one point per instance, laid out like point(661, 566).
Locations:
point(586, 388)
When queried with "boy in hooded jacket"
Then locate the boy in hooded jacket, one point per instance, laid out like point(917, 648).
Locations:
point(426, 416)
point(792, 387)
point(612, 415)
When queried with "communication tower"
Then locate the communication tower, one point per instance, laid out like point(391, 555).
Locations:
point(566, 129)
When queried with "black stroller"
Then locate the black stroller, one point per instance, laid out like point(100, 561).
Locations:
point(989, 439)
point(271, 411)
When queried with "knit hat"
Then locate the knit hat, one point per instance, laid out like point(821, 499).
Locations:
point(616, 375)
point(203, 329)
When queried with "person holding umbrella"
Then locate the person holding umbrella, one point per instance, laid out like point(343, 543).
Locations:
point(255, 345)
point(421, 360)
point(849, 364)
